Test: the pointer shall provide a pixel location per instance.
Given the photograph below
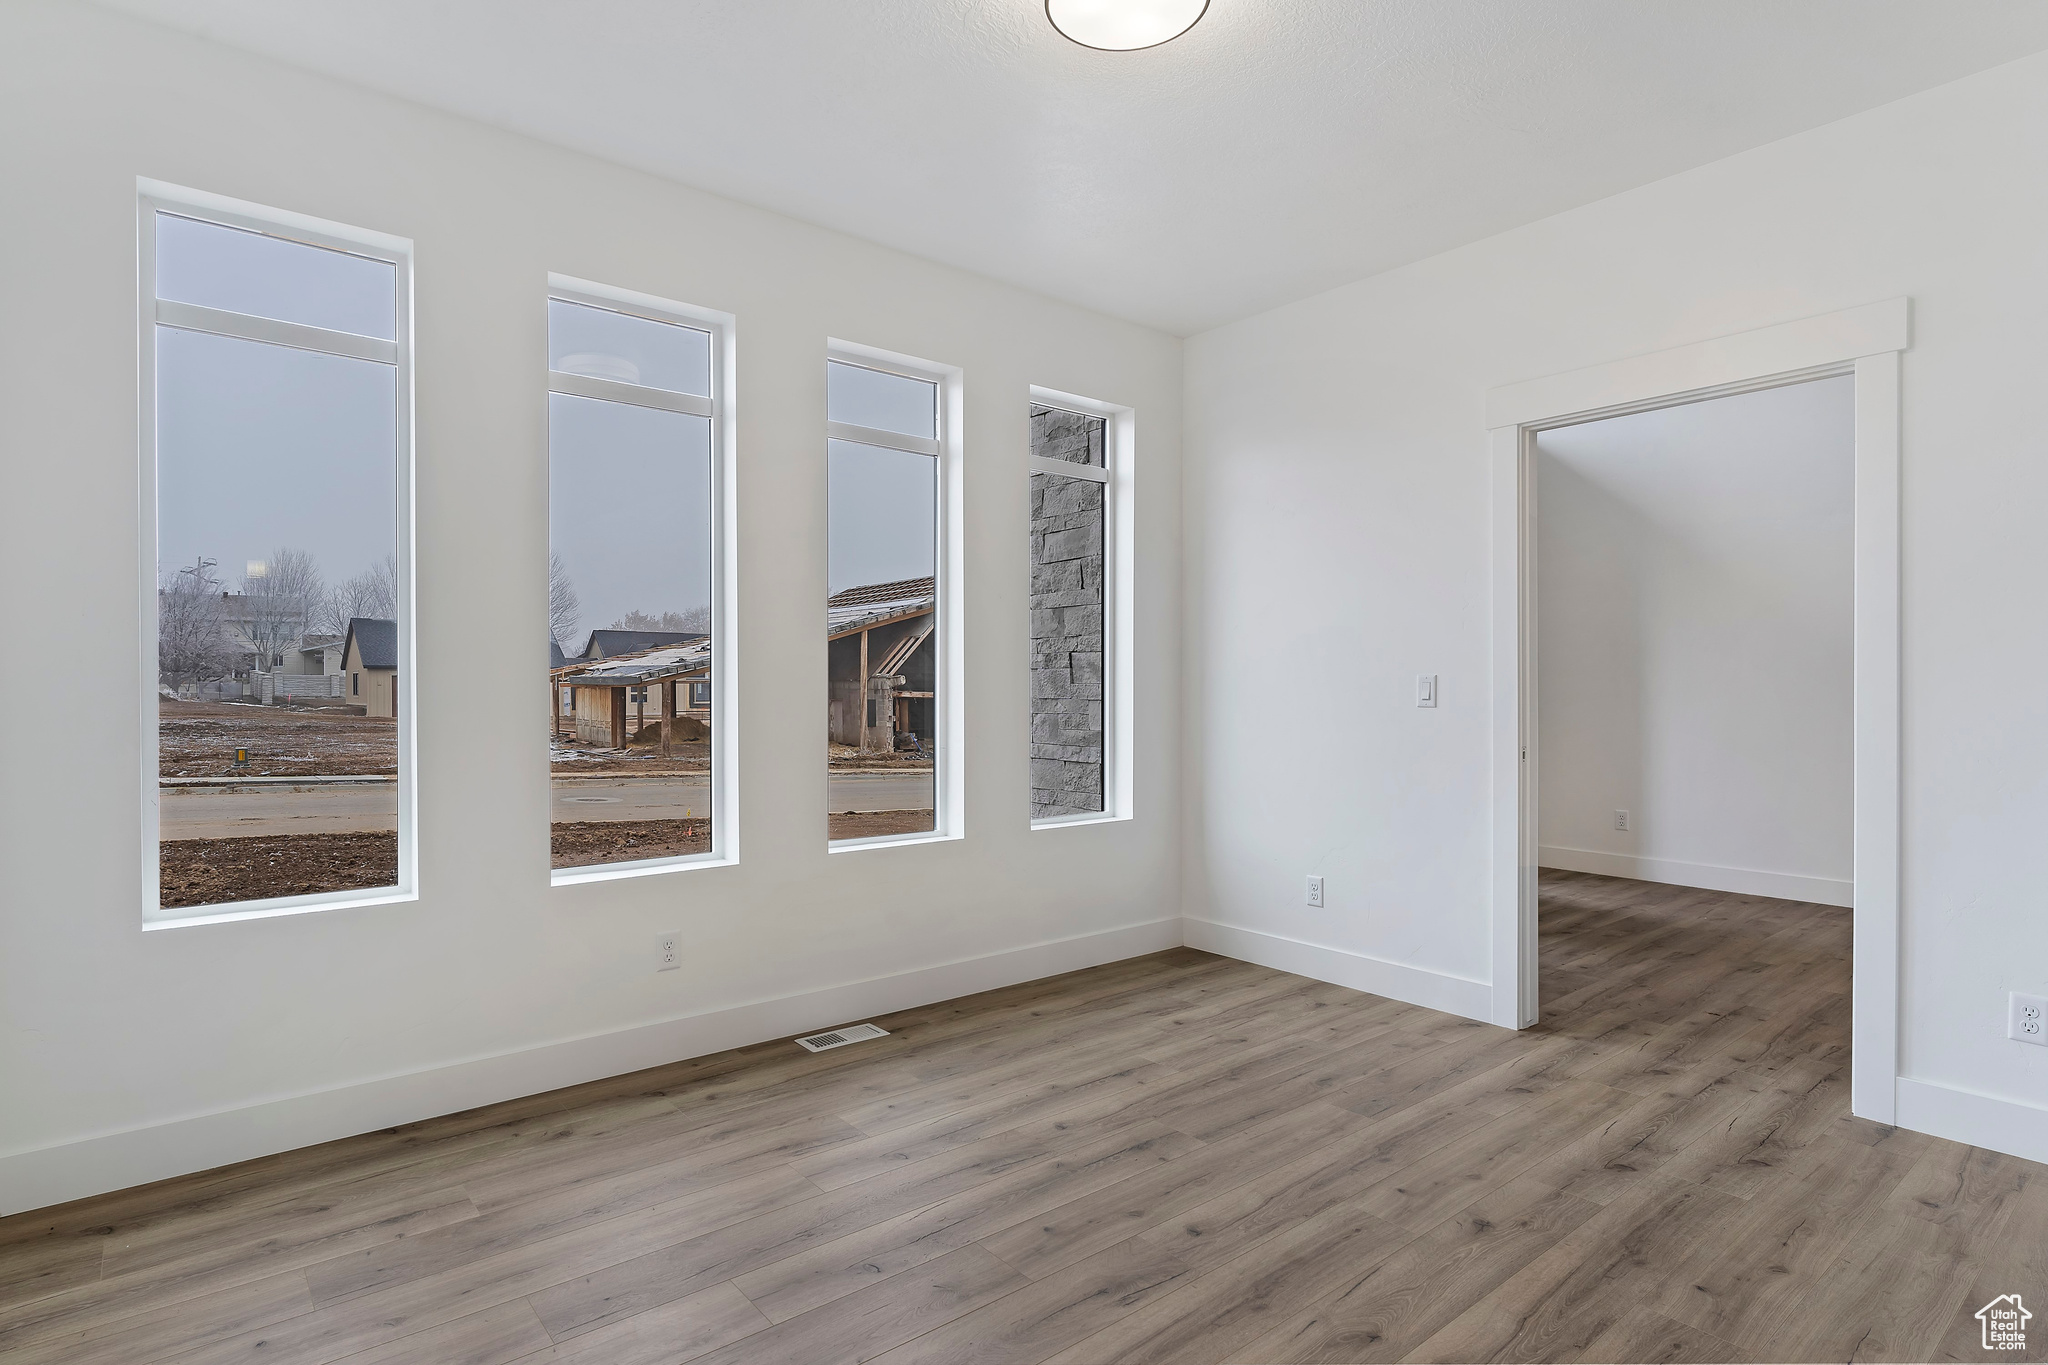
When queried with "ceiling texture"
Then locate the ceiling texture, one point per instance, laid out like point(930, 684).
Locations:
point(1280, 148)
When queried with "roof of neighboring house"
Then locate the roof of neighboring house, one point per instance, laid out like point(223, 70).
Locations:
point(874, 604)
point(238, 607)
point(319, 641)
point(645, 666)
point(556, 658)
point(606, 644)
point(375, 641)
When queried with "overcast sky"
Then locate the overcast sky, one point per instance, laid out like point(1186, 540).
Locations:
point(884, 515)
point(884, 509)
point(629, 507)
point(263, 446)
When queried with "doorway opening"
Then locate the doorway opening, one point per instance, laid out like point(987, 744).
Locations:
point(1859, 345)
point(1694, 701)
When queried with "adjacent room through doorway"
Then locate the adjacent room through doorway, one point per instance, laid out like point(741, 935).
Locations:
point(1695, 636)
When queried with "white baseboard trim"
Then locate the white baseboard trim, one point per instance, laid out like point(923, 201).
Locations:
point(96, 1164)
point(2007, 1126)
point(1743, 881)
point(1396, 980)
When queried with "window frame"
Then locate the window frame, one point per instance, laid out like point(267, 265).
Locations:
point(949, 709)
point(154, 197)
point(724, 675)
point(1117, 476)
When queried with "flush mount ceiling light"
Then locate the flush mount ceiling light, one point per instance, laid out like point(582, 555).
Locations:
point(1123, 25)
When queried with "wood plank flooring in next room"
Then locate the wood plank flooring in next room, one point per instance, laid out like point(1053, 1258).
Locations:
point(1179, 1158)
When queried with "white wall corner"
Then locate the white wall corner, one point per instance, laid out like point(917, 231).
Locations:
point(1357, 971)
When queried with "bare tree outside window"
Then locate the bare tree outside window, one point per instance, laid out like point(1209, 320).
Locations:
point(373, 593)
point(192, 647)
point(689, 620)
point(280, 598)
point(277, 384)
point(565, 608)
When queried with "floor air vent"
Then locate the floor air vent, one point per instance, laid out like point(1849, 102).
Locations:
point(840, 1037)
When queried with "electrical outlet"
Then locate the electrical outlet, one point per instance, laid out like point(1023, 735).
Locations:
point(1315, 891)
point(666, 958)
point(2026, 1019)
point(1621, 821)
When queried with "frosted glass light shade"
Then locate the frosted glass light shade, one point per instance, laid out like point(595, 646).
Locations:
point(1123, 25)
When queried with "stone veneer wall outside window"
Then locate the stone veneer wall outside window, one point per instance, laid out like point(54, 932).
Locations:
point(1067, 567)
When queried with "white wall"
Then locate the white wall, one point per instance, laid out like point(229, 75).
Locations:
point(1337, 543)
point(1696, 643)
point(126, 1056)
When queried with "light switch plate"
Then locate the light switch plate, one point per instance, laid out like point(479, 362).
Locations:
point(1425, 689)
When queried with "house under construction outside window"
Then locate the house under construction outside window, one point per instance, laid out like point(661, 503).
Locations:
point(882, 666)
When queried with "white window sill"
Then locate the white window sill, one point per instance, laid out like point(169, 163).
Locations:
point(272, 909)
point(887, 841)
point(652, 867)
point(1063, 821)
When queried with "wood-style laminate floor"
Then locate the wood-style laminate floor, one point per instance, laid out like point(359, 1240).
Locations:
point(1179, 1159)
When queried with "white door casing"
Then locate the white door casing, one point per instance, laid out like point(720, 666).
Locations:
point(1865, 342)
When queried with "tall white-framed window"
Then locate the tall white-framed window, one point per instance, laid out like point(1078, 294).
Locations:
point(1081, 609)
point(275, 364)
point(893, 710)
point(641, 584)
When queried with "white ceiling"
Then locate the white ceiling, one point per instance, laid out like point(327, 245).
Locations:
point(1279, 148)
